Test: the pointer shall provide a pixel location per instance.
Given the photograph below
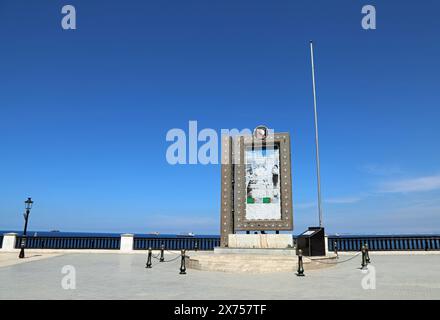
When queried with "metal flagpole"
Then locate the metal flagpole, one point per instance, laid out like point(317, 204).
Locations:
point(318, 171)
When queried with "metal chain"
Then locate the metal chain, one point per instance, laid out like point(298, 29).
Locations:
point(317, 260)
point(170, 260)
point(157, 255)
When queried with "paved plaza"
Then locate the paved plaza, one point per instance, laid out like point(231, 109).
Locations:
point(123, 276)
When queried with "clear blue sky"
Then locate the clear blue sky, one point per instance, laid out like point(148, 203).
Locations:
point(84, 113)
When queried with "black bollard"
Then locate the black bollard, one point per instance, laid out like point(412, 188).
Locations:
point(182, 263)
point(162, 248)
point(149, 259)
point(364, 258)
point(335, 246)
point(367, 254)
point(300, 271)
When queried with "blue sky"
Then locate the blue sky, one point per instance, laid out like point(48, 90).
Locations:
point(84, 113)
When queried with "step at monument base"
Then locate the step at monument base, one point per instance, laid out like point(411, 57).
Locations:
point(245, 263)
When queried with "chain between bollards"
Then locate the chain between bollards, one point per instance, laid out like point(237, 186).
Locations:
point(148, 265)
point(162, 248)
point(182, 263)
point(300, 271)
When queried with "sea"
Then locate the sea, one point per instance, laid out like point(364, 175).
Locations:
point(163, 235)
point(31, 233)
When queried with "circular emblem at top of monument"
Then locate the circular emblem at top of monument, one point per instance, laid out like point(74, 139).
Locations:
point(261, 132)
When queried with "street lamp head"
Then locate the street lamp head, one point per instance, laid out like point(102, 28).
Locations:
point(28, 204)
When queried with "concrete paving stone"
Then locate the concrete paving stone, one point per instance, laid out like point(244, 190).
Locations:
point(123, 276)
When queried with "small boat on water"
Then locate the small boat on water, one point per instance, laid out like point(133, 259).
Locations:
point(187, 234)
point(154, 233)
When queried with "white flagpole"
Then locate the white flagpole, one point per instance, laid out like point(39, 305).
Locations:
point(318, 171)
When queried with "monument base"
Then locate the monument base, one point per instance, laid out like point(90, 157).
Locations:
point(244, 263)
point(254, 260)
point(256, 251)
point(260, 241)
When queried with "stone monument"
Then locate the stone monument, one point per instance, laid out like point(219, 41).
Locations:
point(256, 204)
point(256, 190)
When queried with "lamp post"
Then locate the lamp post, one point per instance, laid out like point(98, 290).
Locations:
point(28, 206)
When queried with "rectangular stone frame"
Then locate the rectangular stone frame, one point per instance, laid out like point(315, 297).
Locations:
point(239, 213)
point(227, 196)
